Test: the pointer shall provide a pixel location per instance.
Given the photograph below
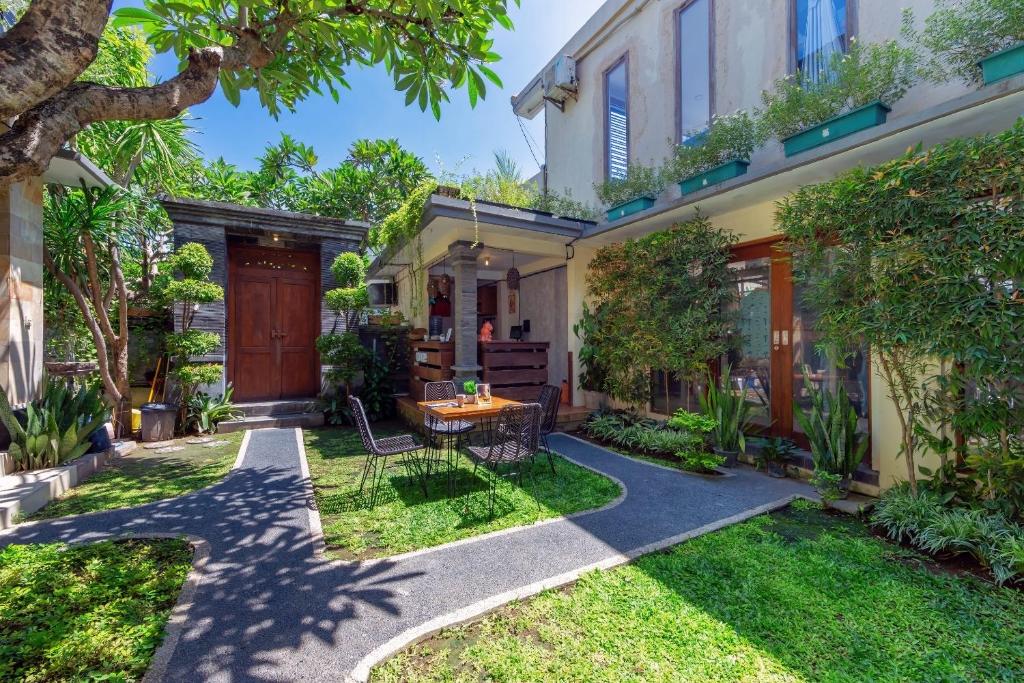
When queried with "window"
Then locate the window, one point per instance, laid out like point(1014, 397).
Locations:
point(616, 95)
point(693, 23)
point(821, 31)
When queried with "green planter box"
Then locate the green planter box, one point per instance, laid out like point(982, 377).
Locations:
point(861, 118)
point(632, 206)
point(1003, 64)
point(713, 176)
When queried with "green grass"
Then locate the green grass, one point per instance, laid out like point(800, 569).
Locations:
point(404, 520)
point(795, 596)
point(87, 612)
point(145, 476)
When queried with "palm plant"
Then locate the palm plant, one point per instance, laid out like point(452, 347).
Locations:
point(831, 428)
point(730, 411)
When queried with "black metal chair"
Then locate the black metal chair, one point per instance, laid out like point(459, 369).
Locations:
point(379, 450)
point(549, 399)
point(450, 432)
point(513, 446)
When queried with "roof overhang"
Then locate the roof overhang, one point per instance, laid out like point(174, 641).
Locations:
point(446, 220)
point(73, 169)
point(254, 220)
point(771, 176)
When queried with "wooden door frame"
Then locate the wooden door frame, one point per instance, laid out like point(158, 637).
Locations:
point(233, 250)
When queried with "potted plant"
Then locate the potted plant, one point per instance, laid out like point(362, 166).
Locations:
point(774, 455)
point(809, 110)
point(837, 448)
point(469, 388)
point(636, 192)
point(716, 155)
point(731, 414)
point(974, 40)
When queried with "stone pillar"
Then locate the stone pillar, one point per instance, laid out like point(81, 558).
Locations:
point(463, 257)
point(21, 290)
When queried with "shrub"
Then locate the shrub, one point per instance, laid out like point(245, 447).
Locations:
point(903, 515)
point(962, 32)
point(345, 356)
point(348, 269)
point(640, 181)
point(865, 73)
point(735, 136)
point(692, 422)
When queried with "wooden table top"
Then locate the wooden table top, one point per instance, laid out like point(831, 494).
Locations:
point(470, 411)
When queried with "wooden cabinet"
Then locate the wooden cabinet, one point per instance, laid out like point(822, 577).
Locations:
point(431, 362)
point(487, 300)
point(515, 370)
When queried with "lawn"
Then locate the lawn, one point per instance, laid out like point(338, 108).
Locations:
point(148, 475)
point(795, 596)
point(404, 520)
point(92, 612)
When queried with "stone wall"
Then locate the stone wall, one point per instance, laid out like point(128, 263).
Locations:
point(21, 290)
point(209, 317)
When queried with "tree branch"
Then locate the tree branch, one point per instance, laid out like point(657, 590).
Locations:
point(37, 135)
point(47, 50)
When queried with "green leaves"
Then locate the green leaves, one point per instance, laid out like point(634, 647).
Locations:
point(427, 45)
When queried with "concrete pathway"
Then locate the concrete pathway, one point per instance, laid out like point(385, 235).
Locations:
point(267, 606)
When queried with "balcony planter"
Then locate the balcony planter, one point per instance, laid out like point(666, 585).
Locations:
point(632, 206)
point(713, 176)
point(861, 118)
point(1003, 64)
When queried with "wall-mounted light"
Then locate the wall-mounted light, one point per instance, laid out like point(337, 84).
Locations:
point(487, 260)
point(276, 238)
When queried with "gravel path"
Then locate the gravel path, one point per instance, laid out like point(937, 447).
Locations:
point(267, 606)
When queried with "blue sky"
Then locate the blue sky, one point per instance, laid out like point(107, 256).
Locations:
point(464, 139)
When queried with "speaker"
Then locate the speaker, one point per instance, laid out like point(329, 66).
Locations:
point(526, 326)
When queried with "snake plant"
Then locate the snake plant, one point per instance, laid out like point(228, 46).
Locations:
point(729, 410)
point(831, 428)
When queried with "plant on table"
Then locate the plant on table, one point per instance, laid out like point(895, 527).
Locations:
point(831, 426)
point(732, 137)
point(185, 286)
point(640, 181)
point(866, 73)
point(960, 33)
point(731, 413)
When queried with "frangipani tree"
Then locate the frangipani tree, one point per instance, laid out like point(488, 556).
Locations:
point(286, 51)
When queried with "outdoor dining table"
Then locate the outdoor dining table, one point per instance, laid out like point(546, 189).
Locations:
point(449, 410)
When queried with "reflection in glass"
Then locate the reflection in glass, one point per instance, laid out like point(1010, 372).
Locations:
point(750, 356)
point(822, 370)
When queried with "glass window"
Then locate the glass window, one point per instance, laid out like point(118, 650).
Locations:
point(694, 68)
point(617, 124)
point(750, 358)
point(821, 31)
point(669, 393)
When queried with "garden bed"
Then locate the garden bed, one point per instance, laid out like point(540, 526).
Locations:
point(796, 595)
point(404, 520)
point(93, 612)
point(148, 475)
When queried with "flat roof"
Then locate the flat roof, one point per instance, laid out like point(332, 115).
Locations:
point(73, 169)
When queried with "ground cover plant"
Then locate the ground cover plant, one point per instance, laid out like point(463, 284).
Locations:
point(146, 476)
point(404, 520)
point(682, 441)
point(797, 595)
point(93, 612)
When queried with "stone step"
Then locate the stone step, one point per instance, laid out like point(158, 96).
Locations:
point(287, 407)
point(304, 420)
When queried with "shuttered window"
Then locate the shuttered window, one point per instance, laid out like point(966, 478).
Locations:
point(616, 88)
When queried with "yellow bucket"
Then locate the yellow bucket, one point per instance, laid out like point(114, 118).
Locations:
point(136, 419)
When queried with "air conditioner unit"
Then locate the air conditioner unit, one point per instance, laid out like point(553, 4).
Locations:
point(382, 293)
point(560, 79)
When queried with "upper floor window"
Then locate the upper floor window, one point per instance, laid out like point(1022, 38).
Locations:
point(616, 96)
point(694, 43)
point(822, 30)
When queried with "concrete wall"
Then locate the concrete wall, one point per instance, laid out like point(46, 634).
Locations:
point(21, 290)
point(751, 51)
point(542, 301)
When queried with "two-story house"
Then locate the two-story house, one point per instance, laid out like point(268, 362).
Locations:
point(632, 83)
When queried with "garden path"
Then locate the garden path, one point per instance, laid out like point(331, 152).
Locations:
point(268, 606)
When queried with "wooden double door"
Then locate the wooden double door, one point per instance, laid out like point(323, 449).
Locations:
point(273, 323)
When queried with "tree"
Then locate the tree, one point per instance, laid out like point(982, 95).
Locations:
point(343, 351)
point(102, 246)
point(284, 50)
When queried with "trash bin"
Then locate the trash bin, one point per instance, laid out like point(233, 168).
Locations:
point(158, 421)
